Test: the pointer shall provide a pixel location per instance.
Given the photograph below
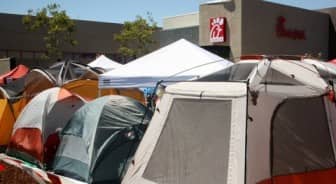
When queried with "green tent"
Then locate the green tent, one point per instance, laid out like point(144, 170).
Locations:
point(100, 139)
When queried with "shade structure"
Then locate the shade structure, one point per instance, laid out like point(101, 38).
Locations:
point(40, 118)
point(179, 61)
point(99, 141)
point(18, 72)
point(105, 63)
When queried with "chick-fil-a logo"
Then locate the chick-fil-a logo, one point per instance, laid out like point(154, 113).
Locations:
point(283, 31)
point(217, 29)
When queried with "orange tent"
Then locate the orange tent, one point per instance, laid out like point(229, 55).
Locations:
point(18, 72)
point(7, 120)
point(41, 117)
point(333, 61)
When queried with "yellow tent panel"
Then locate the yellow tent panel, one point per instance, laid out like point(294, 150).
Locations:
point(19, 105)
point(6, 122)
point(88, 89)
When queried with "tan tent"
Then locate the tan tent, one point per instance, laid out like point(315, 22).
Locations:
point(37, 81)
point(278, 126)
point(196, 136)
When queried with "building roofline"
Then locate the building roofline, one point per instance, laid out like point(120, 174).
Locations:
point(180, 15)
point(215, 2)
point(76, 20)
point(291, 6)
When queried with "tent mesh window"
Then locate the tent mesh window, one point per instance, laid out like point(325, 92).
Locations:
point(301, 140)
point(326, 75)
point(193, 147)
point(277, 78)
point(235, 72)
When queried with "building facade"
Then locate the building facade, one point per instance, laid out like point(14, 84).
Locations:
point(228, 28)
point(27, 47)
point(244, 27)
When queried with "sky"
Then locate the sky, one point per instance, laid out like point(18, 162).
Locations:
point(118, 11)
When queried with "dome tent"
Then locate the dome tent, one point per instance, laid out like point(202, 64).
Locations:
point(49, 110)
point(69, 70)
point(7, 121)
point(102, 135)
point(17, 73)
point(278, 126)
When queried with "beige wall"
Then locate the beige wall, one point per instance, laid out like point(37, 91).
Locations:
point(251, 28)
point(232, 11)
point(259, 20)
point(181, 21)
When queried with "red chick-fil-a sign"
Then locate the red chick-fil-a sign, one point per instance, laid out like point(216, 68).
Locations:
point(217, 29)
point(282, 31)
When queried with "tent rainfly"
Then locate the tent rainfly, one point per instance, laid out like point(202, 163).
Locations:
point(179, 61)
point(18, 72)
point(99, 141)
point(279, 128)
point(196, 136)
point(46, 112)
point(88, 90)
point(7, 120)
point(105, 63)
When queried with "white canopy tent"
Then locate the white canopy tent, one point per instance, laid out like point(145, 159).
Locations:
point(178, 61)
point(105, 63)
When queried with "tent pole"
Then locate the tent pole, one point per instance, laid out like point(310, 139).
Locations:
point(246, 127)
point(99, 92)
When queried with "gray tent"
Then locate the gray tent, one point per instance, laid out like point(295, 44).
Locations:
point(100, 139)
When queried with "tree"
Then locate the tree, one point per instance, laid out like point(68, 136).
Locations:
point(55, 24)
point(136, 37)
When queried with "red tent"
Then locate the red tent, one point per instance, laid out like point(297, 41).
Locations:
point(333, 61)
point(16, 73)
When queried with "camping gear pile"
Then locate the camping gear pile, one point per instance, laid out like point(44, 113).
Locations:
point(262, 120)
